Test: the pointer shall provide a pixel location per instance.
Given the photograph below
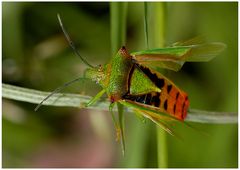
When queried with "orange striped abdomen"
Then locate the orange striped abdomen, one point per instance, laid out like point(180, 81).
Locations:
point(170, 100)
point(175, 102)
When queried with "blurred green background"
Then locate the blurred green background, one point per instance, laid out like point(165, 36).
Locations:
point(36, 55)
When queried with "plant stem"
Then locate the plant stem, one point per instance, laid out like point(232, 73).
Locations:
point(201, 116)
point(157, 40)
point(77, 100)
point(154, 36)
point(118, 14)
point(146, 24)
point(35, 96)
point(161, 134)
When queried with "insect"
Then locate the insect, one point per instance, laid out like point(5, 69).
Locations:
point(130, 80)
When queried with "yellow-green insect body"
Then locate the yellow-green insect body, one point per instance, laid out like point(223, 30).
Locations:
point(120, 69)
point(115, 77)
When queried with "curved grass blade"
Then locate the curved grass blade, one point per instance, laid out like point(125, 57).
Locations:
point(77, 100)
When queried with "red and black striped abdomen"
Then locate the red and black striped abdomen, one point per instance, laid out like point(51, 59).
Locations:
point(170, 100)
point(176, 101)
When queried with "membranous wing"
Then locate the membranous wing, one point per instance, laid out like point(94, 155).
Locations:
point(175, 56)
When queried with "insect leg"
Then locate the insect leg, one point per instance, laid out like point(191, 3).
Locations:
point(116, 124)
point(121, 125)
point(95, 98)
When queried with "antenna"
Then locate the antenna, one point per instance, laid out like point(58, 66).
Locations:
point(57, 90)
point(71, 42)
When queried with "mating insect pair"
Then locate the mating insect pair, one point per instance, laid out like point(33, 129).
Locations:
point(130, 80)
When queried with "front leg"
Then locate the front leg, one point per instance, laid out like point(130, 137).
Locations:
point(95, 98)
point(119, 124)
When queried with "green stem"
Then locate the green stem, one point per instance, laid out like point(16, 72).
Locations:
point(157, 33)
point(118, 14)
point(162, 148)
point(35, 96)
point(146, 24)
point(77, 100)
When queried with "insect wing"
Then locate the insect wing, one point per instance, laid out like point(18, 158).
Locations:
point(173, 58)
point(168, 58)
point(170, 65)
point(204, 52)
point(200, 51)
point(193, 41)
point(154, 113)
point(158, 118)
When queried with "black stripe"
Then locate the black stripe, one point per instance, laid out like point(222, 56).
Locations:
point(148, 99)
point(160, 83)
point(152, 76)
point(165, 104)
point(140, 99)
point(174, 108)
point(130, 97)
point(130, 77)
point(157, 100)
point(184, 103)
point(177, 95)
point(169, 87)
point(183, 108)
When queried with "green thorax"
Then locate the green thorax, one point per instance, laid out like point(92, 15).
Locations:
point(121, 77)
point(121, 65)
point(141, 84)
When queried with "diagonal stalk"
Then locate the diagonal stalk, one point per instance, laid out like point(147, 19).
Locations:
point(76, 100)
